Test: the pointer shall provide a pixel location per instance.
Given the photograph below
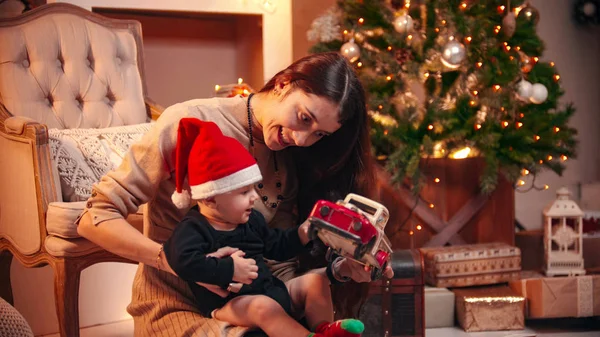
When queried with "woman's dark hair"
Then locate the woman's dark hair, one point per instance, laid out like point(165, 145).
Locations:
point(337, 164)
point(342, 162)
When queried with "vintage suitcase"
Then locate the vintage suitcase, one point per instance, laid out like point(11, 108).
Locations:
point(470, 265)
point(394, 307)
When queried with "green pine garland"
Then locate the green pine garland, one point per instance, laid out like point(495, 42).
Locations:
point(474, 105)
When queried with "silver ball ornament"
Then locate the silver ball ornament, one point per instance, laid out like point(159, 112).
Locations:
point(453, 54)
point(539, 93)
point(524, 90)
point(350, 51)
point(403, 24)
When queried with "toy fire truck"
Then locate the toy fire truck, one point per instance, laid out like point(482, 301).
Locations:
point(353, 228)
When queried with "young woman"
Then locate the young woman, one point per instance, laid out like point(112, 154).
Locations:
point(308, 130)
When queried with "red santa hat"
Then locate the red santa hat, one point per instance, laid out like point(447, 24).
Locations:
point(213, 163)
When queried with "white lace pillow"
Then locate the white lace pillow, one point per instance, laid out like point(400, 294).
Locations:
point(83, 156)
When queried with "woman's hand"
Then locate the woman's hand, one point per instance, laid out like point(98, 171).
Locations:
point(220, 253)
point(303, 232)
point(223, 252)
point(359, 272)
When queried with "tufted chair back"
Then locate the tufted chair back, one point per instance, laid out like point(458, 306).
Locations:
point(70, 71)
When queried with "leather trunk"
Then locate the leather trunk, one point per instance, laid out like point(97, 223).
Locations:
point(394, 307)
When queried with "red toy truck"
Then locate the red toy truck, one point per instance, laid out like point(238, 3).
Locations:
point(353, 228)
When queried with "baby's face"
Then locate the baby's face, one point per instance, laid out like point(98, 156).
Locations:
point(235, 206)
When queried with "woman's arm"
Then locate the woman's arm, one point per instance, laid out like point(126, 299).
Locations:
point(128, 243)
point(123, 190)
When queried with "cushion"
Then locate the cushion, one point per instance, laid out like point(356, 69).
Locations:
point(82, 156)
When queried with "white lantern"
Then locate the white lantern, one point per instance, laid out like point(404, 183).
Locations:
point(563, 229)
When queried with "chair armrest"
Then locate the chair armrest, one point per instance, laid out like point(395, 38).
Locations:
point(27, 180)
point(25, 127)
point(154, 109)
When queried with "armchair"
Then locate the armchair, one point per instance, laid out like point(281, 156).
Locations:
point(60, 67)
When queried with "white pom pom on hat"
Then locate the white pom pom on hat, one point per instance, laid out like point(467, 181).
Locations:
point(181, 199)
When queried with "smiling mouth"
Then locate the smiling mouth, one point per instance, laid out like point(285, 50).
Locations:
point(282, 142)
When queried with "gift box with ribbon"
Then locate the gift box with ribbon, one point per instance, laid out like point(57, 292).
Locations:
point(554, 297)
point(470, 265)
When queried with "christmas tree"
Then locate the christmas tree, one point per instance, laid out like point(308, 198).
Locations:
point(450, 78)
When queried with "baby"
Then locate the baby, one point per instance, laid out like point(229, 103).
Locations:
point(221, 174)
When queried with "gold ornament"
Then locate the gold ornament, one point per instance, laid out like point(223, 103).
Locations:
point(370, 47)
point(374, 32)
point(472, 81)
point(481, 115)
point(439, 150)
point(433, 62)
point(383, 119)
point(449, 102)
point(530, 14)
point(527, 62)
point(359, 37)
point(410, 103)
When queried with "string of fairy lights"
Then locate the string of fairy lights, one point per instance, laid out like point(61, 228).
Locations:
point(528, 92)
point(525, 91)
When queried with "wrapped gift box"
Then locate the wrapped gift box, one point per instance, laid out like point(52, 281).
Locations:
point(554, 297)
point(489, 309)
point(469, 265)
point(439, 308)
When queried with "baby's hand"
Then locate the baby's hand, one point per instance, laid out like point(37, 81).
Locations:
point(244, 270)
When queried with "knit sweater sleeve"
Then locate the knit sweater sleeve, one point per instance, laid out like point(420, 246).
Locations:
point(186, 251)
point(280, 244)
point(145, 166)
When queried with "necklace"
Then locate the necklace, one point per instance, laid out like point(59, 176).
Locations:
point(260, 186)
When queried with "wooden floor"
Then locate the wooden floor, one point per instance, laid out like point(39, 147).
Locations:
point(579, 329)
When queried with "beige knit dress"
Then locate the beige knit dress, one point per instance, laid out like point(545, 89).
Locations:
point(162, 304)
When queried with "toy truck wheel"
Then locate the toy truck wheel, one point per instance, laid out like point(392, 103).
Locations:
point(313, 232)
point(376, 273)
point(371, 244)
point(360, 251)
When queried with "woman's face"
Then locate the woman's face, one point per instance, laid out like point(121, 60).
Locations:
point(298, 119)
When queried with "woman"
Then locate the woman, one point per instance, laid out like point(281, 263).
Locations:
point(308, 130)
